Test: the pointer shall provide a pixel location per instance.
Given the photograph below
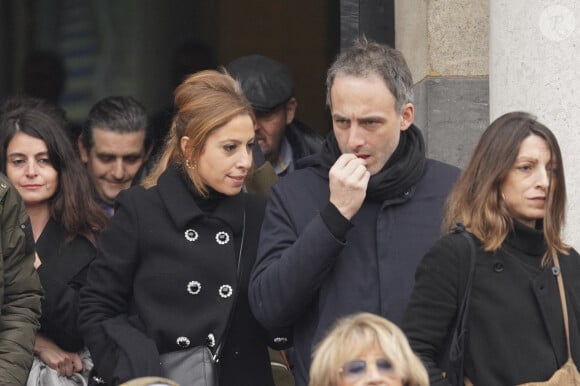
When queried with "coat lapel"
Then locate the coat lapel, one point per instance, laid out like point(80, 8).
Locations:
point(182, 207)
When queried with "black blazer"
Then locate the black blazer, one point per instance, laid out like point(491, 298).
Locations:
point(63, 273)
point(165, 280)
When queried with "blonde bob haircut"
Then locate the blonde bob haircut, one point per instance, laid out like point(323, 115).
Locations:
point(352, 336)
point(204, 102)
point(476, 199)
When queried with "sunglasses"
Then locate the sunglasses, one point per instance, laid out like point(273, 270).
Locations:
point(356, 369)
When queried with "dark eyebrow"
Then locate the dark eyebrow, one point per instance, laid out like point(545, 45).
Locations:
point(372, 118)
point(42, 153)
point(237, 141)
point(105, 154)
point(526, 158)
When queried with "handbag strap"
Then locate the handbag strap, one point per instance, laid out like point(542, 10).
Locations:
point(463, 313)
point(454, 356)
point(557, 271)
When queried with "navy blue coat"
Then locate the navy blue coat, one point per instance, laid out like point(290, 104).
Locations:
point(306, 278)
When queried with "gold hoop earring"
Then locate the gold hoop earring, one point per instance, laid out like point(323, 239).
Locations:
point(189, 166)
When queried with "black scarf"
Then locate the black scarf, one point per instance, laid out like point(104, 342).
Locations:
point(403, 169)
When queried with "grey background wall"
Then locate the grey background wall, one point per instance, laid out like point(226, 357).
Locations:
point(446, 46)
point(475, 60)
point(535, 66)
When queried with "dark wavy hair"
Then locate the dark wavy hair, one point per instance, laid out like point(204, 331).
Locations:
point(72, 205)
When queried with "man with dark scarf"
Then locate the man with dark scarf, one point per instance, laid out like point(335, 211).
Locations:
point(345, 232)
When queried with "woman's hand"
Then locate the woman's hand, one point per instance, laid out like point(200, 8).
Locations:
point(65, 363)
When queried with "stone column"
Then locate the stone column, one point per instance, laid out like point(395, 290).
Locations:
point(446, 46)
point(535, 67)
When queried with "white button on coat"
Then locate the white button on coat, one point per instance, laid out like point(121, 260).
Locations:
point(183, 342)
point(226, 291)
point(194, 287)
point(191, 235)
point(222, 238)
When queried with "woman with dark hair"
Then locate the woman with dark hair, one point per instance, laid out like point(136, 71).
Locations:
point(174, 263)
point(511, 199)
point(40, 161)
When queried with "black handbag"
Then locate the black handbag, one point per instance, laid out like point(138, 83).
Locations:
point(452, 359)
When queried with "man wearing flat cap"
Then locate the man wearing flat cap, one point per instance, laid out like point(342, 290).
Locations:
point(269, 87)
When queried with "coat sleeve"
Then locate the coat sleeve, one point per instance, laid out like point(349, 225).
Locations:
point(119, 350)
point(291, 265)
point(22, 290)
point(430, 316)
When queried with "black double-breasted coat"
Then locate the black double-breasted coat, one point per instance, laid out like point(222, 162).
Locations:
point(167, 275)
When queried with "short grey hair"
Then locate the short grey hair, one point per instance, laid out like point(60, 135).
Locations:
point(365, 58)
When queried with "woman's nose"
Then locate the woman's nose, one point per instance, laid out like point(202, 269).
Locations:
point(246, 159)
point(31, 169)
point(372, 373)
point(543, 178)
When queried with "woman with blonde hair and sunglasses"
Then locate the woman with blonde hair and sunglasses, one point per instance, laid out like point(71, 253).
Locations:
point(366, 349)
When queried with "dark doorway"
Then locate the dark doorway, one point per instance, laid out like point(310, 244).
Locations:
point(374, 19)
point(130, 44)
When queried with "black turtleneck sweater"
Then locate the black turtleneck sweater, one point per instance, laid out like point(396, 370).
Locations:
point(516, 331)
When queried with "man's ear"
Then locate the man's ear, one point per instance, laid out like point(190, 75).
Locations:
point(83, 152)
point(407, 116)
point(290, 107)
